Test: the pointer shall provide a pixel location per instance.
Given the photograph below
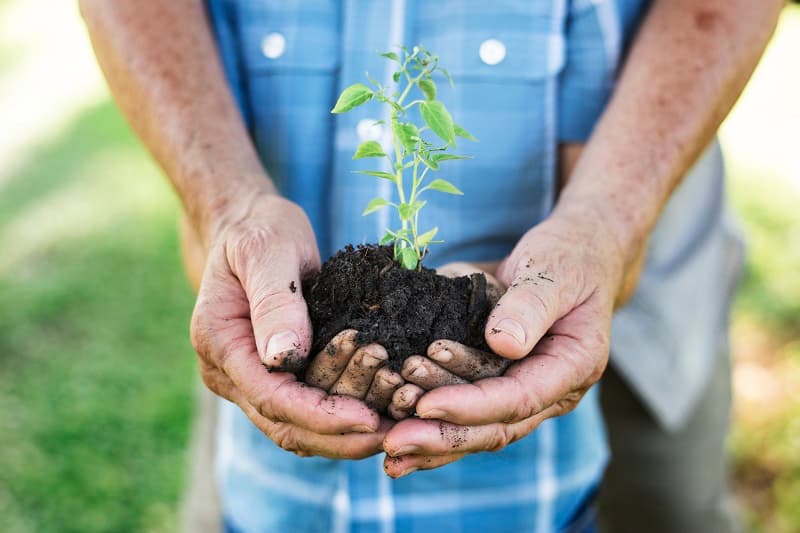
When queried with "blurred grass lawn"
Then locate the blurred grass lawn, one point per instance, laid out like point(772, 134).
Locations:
point(96, 372)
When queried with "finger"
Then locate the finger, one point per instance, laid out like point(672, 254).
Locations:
point(281, 398)
point(397, 467)
point(385, 382)
point(298, 440)
point(415, 436)
point(324, 369)
point(524, 313)
point(558, 372)
point(427, 374)
point(404, 400)
point(357, 377)
point(466, 362)
point(270, 276)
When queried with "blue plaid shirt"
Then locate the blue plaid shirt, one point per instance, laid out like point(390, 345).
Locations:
point(545, 78)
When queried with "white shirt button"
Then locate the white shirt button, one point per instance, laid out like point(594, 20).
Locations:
point(273, 45)
point(492, 51)
point(367, 130)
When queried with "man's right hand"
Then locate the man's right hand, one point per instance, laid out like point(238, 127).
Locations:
point(251, 330)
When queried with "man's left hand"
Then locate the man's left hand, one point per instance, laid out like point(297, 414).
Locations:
point(563, 278)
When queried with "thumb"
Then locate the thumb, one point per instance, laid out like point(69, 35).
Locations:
point(278, 312)
point(524, 313)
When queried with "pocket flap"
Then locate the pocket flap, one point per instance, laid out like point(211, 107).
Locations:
point(277, 35)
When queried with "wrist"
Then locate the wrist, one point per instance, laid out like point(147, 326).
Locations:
point(225, 208)
point(589, 229)
point(617, 228)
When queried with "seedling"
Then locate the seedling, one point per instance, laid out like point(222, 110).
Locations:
point(413, 153)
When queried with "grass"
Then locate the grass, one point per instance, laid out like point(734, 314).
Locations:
point(96, 371)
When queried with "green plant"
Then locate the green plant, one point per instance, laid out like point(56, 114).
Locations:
point(412, 151)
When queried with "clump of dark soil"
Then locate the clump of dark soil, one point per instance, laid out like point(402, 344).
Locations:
point(403, 310)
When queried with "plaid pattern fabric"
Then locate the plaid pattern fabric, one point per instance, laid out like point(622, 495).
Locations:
point(551, 85)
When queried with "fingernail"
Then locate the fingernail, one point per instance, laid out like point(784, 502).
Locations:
point(513, 328)
point(408, 471)
point(433, 413)
point(370, 361)
point(282, 342)
point(362, 428)
point(442, 356)
point(420, 372)
point(406, 450)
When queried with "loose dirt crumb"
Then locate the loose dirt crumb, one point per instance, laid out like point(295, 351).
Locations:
point(292, 287)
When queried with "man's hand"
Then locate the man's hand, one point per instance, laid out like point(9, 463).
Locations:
point(251, 330)
point(562, 278)
point(343, 367)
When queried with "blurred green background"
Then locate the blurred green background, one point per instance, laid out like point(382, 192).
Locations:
point(96, 371)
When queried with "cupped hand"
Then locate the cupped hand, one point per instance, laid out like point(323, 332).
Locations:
point(251, 330)
point(554, 321)
point(343, 367)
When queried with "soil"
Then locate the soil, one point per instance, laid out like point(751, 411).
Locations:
point(403, 310)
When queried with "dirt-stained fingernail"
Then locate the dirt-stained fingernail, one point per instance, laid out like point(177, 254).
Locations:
point(391, 379)
point(371, 361)
point(512, 328)
point(419, 372)
point(442, 356)
point(409, 449)
point(282, 341)
point(432, 413)
point(362, 428)
point(408, 471)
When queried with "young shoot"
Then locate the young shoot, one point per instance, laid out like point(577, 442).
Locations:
point(418, 148)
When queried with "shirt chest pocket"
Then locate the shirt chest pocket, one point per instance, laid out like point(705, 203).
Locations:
point(505, 58)
point(290, 56)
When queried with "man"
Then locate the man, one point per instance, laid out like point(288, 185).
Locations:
point(530, 76)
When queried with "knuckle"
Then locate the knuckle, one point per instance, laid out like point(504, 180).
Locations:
point(596, 374)
point(284, 436)
point(212, 381)
point(200, 333)
point(528, 405)
point(499, 439)
point(249, 241)
point(272, 300)
point(569, 402)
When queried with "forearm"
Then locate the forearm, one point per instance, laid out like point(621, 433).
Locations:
point(163, 68)
point(687, 66)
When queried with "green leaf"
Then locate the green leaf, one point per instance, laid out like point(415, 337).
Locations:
point(406, 133)
point(369, 149)
point(396, 76)
point(461, 132)
point(408, 258)
point(439, 120)
point(428, 87)
point(448, 157)
point(378, 174)
point(374, 205)
point(447, 75)
point(391, 55)
point(426, 238)
point(353, 96)
point(407, 211)
point(443, 186)
point(387, 238)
